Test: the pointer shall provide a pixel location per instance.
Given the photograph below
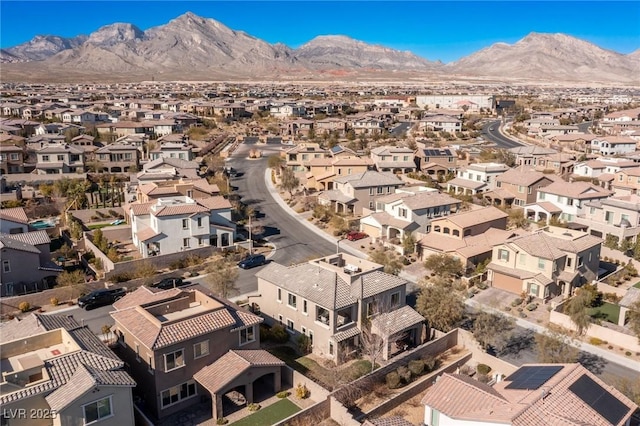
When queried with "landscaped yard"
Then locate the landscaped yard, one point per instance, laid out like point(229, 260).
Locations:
point(637, 285)
point(606, 312)
point(269, 415)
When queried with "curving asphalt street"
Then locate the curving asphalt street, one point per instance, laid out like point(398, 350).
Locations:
point(491, 132)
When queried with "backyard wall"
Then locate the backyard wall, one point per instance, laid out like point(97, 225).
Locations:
point(312, 415)
point(480, 356)
point(607, 334)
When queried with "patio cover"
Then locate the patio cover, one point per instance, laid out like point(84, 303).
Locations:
point(394, 322)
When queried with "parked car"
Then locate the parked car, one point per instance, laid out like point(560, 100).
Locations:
point(167, 283)
point(252, 261)
point(355, 236)
point(102, 297)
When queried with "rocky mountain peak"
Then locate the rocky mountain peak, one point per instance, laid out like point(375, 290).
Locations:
point(110, 35)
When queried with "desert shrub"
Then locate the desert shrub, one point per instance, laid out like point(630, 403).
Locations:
point(507, 308)
point(522, 315)
point(337, 233)
point(253, 407)
point(54, 301)
point(416, 367)
point(283, 394)
point(483, 369)
point(611, 297)
point(222, 421)
point(532, 306)
point(122, 277)
point(113, 213)
point(516, 302)
point(304, 344)
point(404, 373)
point(99, 213)
point(279, 334)
point(302, 392)
point(393, 380)
point(430, 363)
point(628, 353)
point(24, 306)
point(482, 285)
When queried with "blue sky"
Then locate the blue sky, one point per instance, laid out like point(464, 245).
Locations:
point(445, 30)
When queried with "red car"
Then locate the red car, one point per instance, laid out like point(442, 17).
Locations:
point(355, 235)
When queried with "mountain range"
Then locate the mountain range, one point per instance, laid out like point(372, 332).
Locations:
point(191, 47)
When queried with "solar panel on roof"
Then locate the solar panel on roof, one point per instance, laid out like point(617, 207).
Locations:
point(596, 397)
point(532, 377)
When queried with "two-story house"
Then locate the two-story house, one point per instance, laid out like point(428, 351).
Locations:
point(11, 159)
point(403, 213)
point(177, 224)
point(56, 367)
point(440, 123)
point(26, 262)
point(393, 159)
point(564, 201)
point(119, 157)
point(356, 192)
point(164, 169)
point(618, 216)
point(367, 126)
point(298, 157)
point(613, 145)
point(534, 394)
point(186, 343)
point(192, 188)
point(599, 166)
point(626, 181)
point(332, 299)
point(528, 155)
point(14, 220)
point(182, 151)
point(436, 162)
point(518, 187)
point(548, 263)
point(60, 158)
point(324, 171)
point(476, 178)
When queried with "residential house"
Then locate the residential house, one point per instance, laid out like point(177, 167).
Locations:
point(332, 299)
point(26, 263)
point(559, 164)
point(192, 188)
point(298, 157)
point(297, 128)
point(356, 192)
point(176, 224)
point(368, 125)
point(165, 168)
point(476, 178)
point(182, 151)
point(595, 168)
point(11, 159)
point(14, 220)
point(617, 216)
point(323, 171)
point(287, 110)
point(440, 123)
point(470, 223)
point(528, 155)
point(548, 263)
point(60, 158)
point(554, 130)
point(535, 394)
point(57, 372)
point(613, 145)
point(436, 162)
point(393, 159)
point(475, 103)
point(626, 181)
point(563, 201)
point(329, 125)
point(186, 344)
point(404, 213)
point(518, 187)
point(119, 157)
point(573, 141)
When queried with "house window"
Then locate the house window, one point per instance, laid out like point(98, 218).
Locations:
point(280, 319)
point(330, 348)
point(304, 306)
point(178, 393)
point(521, 189)
point(185, 242)
point(14, 156)
point(279, 299)
point(608, 217)
point(292, 300)
point(200, 349)
point(45, 158)
point(289, 325)
point(60, 157)
point(547, 291)
point(388, 190)
point(592, 210)
point(370, 205)
point(247, 335)
point(97, 410)
point(402, 212)
point(303, 330)
point(541, 263)
point(380, 190)
point(199, 220)
point(185, 223)
point(149, 364)
point(372, 308)
point(395, 299)
point(580, 261)
point(190, 193)
point(523, 258)
point(137, 352)
point(6, 267)
point(174, 360)
point(533, 289)
point(503, 255)
point(322, 315)
point(370, 191)
point(568, 262)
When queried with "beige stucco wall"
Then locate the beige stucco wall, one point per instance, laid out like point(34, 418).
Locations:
point(121, 407)
point(29, 412)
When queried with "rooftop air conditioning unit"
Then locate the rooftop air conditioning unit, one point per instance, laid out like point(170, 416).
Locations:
point(351, 269)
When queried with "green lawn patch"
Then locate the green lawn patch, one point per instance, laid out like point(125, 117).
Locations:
point(637, 285)
point(301, 364)
point(98, 225)
point(358, 369)
point(606, 312)
point(269, 415)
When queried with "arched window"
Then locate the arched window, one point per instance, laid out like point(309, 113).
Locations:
point(436, 228)
point(456, 233)
point(446, 230)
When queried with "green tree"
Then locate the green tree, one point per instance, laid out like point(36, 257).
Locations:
point(288, 181)
point(73, 281)
point(633, 315)
point(517, 219)
point(577, 308)
point(444, 264)
point(409, 244)
point(491, 330)
point(221, 278)
point(275, 162)
point(387, 257)
point(442, 307)
point(555, 346)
